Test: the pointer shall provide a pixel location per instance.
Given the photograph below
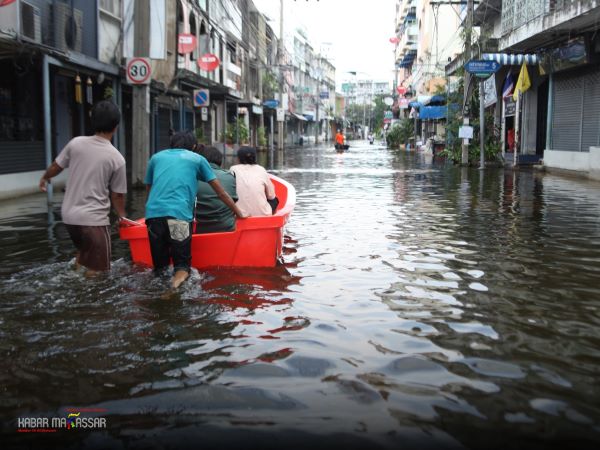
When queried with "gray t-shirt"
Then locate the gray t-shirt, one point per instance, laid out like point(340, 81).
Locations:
point(95, 169)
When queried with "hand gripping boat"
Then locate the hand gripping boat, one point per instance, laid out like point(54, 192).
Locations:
point(256, 241)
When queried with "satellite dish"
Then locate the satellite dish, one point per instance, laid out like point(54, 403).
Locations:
point(388, 101)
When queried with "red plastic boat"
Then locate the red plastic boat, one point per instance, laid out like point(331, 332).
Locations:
point(256, 241)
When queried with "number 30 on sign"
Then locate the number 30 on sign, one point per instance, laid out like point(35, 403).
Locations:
point(138, 71)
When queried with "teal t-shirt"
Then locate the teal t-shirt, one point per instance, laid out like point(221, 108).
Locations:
point(173, 175)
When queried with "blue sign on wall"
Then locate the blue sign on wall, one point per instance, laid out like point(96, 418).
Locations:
point(481, 68)
point(271, 103)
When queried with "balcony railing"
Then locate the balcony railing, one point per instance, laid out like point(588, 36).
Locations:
point(516, 13)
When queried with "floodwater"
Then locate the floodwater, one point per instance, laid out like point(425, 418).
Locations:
point(418, 305)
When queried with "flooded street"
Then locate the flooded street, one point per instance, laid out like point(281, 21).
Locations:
point(418, 305)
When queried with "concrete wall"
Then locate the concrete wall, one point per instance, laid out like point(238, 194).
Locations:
point(27, 183)
point(588, 163)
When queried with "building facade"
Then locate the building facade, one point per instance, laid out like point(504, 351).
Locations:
point(54, 72)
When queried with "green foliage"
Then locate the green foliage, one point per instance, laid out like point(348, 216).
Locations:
point(200, 137)
point(378, 112)
point(453, 150)
point(400, 133)
point(262, 136)
point(230, 132)
point(270, 86)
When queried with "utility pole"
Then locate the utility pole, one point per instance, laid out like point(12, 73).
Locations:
point(141, 97)
point(482, 124)
point(280, 123)
point(467, 78)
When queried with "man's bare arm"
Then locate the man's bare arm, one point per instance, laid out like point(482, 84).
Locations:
point(51, 172)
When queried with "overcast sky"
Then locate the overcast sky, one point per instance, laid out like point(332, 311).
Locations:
point(353, 33)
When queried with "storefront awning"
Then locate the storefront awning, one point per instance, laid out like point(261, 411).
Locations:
point(299, 117)
point(432, 112)
point(507, 59)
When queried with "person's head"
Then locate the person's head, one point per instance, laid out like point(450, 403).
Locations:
point(105, 116)
point(247, 155)
point(183, 139)
point(212, 155)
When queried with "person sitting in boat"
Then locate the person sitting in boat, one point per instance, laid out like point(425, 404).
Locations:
point(171, 182)
point(255, 190)
point(339, 140)
point(212, 214)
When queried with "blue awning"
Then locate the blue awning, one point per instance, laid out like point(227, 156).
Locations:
point(432, 112)
point(436, 99)
point(407, 59)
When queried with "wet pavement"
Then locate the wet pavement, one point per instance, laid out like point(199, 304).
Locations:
point(418, 305)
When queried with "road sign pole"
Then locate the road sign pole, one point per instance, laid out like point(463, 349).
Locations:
point(140, 151)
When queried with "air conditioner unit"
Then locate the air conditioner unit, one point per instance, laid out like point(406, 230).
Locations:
point(9, 23)
point(31, 22)
point(68, 27)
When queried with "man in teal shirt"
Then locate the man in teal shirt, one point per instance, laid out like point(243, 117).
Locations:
point(212, 214)
point(171, 182)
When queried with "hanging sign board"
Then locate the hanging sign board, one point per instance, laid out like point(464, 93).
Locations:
point(138, 71)
point(208, 62)
point(482, 68)
point(271, 103)
point(510, 107)
point(489, 90)
point(280, 115)
point(186, 43)
point(465, 132)
point(204, 114)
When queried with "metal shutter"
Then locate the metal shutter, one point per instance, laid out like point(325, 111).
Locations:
point(21, 156)
point(566, 113)
point(590, 131)
point(163, 126)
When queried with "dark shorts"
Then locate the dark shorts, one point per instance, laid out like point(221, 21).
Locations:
point(170, 239)
point(93, 244)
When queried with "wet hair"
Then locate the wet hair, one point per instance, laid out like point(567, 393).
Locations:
point(183, 139)
point(212, 155)
point(105, 116)
point(247, 155)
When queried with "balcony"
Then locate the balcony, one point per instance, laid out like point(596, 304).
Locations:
point(530, 24)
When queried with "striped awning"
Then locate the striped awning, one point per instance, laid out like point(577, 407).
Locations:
point(507, 59)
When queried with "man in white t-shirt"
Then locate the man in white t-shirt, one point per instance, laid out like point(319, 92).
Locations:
point(96, 177)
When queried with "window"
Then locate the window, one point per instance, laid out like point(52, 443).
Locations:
point(111, 6)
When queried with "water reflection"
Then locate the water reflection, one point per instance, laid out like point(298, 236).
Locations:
point(418, 305)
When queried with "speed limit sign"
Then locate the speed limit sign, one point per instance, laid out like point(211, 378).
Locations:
point(138, 71)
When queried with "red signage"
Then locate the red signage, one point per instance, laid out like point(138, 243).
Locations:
point(208, 62)
point(394, 40)
point(6, 2)
point(186, 43)
point(401, 90)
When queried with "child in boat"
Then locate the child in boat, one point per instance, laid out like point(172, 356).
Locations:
point(212, 214)
point(254, 187)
